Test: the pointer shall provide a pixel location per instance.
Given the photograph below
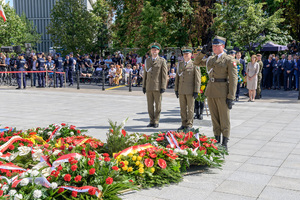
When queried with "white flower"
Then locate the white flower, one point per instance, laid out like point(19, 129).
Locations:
point(49, 133)
point(72, 133)
point(1, 154)
point(24, 150)
point(194, 153)
point(40, 131)
point(56, 152)
point(24, 182)
point(57, 133)
point(37, 155)
point(53, 185)
point(18, 197)
point(12, 192)
point(35, 173)
point(5, 187)
point(37, 194)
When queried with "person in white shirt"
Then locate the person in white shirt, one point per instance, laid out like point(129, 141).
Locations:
point(111, 74)
point(128, 70)
point(172, 76)
point(138, 59)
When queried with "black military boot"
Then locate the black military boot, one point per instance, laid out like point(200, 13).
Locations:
point(224, 142)
point(197, 115)
point(218, 138)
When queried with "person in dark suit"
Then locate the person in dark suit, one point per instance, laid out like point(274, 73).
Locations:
point(276, 73)
point(267, 73)
point(288, 72)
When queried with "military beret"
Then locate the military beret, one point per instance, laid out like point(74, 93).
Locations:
point(187, 50)
point(155, 45)
point(232, 52)
point(219, 40)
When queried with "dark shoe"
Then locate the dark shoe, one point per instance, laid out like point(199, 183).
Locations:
point(237, 99)
point(150, 125)
point(71, 84)
point(18, 88)
point(24, 88)
point(218, 138)
point(197, 117)
point(201, 117)
point(224, 142)
point(181, 128)
point(257, 97)
point(155, 126)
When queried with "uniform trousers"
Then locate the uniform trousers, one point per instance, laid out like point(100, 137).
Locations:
point(41, 78)
point(59, 77)
point(220, 116)
point(186, 102)
point(258, 89)
point(19, 75)
point(154, 97)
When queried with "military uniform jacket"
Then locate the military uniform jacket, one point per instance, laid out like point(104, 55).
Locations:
point(224, 67)
point(188, 78)
point(155, 74)
point(261, 65)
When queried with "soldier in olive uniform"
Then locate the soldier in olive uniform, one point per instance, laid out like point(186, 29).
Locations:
point(187, 87)
point(155, 83)
point(259, 77)
point(221, 88)
point(232, 53)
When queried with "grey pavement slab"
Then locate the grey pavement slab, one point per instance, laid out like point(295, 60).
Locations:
point(264, 147)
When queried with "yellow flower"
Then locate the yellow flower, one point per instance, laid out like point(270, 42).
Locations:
point(141, 170)
point(152, 170)
point(66, 145)
point(203, 79)
point(126, 162)
point(137, 163)
point(129, 169)
point(133, 158)
point(57, 145)
point(139, 158)
point(125, 168)
point(202, 87)
point(141, 165)
point(130, 154)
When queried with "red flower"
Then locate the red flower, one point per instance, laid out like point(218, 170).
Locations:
point(56, 174)
point(181, 142)
point(1, 193)
point(161, 134)
point(109, 180)
point(149, 162)
point(203, 149)
point(206, 145)
point(46, 145)
point(122, 164)
point(72, 127)
point(74, 194)
point(162, 163)
point(201, 91)
point(21, 144)
point(92, 191)
point(142, 153)
point(152, 155)
point(91, 162)
point(70, 148)
point(188, 136)
point(62, 148)
point(11, 147)
point(74, 167)
point(184, 147)
point(106, 155)
point(59, 168)
point(32, 133)
point(131, 181)
point(115, 168)
point(77, 178)
point(106, 159)
point(123, 132)
point(92, 171)
point(203, 139)
point(83, 152)
point(67, 177)
point(78, 131)
point(111, 130)
point(196, 144)
point(159, 139)
point(60, 190)
point(213, 140)
point(216, 148)
point(168, 146)
point(63, 124)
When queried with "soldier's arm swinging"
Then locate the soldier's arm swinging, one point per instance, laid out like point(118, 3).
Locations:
point(233, 79)
point(164, 75)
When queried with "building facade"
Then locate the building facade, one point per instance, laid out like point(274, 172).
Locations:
point(39, 12)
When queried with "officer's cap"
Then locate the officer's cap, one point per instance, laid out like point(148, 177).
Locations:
point(187, 50)
point(219, 40)
point(232, 52)
point(155, 45)
point(58, 54)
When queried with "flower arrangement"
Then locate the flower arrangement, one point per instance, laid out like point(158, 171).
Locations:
point(204, 79)
point(39, 163)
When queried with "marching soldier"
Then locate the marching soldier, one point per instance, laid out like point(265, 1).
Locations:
point(221, 88)
point(187, 87)
point(155, 83)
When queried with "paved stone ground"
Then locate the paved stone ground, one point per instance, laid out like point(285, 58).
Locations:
point(264, 160)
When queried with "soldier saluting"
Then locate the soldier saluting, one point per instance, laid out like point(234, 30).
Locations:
point(155, 83)
point(187, 87)
point(221, 88)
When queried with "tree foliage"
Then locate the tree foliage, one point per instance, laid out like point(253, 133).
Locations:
point(72, 26)
point(17, 30)
point(245, 23)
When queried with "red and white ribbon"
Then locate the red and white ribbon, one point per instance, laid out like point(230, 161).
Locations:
point(5, 146)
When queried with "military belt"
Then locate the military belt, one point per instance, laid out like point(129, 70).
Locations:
point(218, 79)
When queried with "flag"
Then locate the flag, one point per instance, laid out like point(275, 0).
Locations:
point(2, 14)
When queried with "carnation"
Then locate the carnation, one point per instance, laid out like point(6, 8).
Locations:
point(92, 171)
point(92, 191)
point(53, 185)
point(49, 133)
point(12, 192)
point(77, 178)
point(35, 173)
point(74, 194)
point(18, 197)
point(106, 159)
point(74, 167)
point(67, 177)
point(37, 194)
point(24, 182)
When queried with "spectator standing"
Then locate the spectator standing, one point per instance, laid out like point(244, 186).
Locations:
point(21, 65)
point(173, 59)
point(252, 72)
point(138, 59)
point(34, 61)
point(50, 67)
point(276, 73)
point(41, 67)
point(296, 71)
point(288, 72)
point(267, 72)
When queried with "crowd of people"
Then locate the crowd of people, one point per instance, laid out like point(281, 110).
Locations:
point(277, 70)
